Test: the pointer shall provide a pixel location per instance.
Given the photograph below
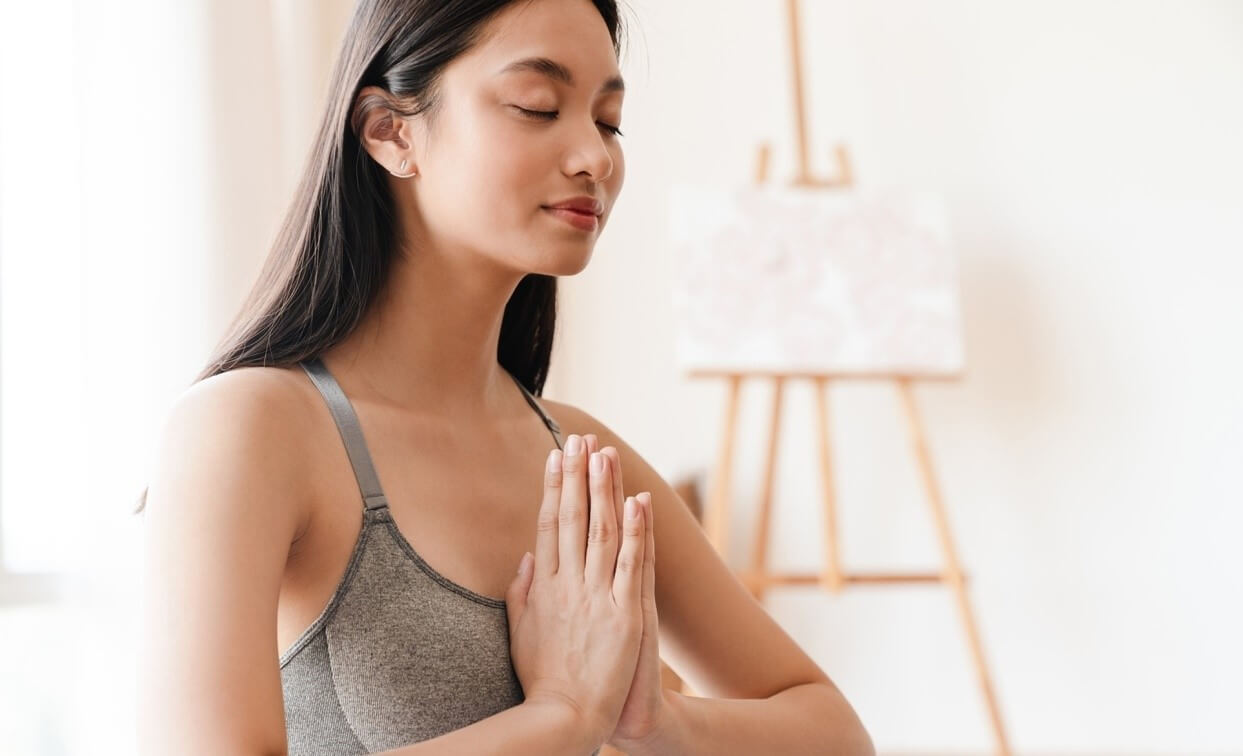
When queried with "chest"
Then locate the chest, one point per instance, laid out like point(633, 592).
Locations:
point(466, 502)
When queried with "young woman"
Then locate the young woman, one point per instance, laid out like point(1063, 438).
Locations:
point(400, 333)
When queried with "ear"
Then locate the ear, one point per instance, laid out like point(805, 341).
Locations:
point(387, 137)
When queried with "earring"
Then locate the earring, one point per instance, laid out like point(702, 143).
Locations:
point(402, 167)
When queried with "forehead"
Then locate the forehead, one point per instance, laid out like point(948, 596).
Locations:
point(557, 71)
point(565, 41)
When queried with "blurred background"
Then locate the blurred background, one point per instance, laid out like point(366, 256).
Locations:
point(1091, 458)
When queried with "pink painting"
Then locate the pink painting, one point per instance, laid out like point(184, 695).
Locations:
point(821, 281)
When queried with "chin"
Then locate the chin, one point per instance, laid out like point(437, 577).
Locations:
point(559, 257)
point(571, 264)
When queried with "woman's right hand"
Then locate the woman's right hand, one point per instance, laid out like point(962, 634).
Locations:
point(575, 617)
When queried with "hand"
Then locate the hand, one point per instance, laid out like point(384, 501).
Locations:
point(644, 707)
point(574, 610)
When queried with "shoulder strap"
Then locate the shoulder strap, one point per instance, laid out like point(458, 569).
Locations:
point(351, 433)
point(548, 421)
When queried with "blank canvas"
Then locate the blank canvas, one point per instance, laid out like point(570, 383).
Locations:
point(824, 281)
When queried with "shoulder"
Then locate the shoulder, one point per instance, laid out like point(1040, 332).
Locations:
point(268, 393)
point(639, 475)
point(243, 434)
point(573, 419)
point(226, 501)
point(569, 417)
point(253, 406)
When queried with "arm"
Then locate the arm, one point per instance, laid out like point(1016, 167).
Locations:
point(531, 727)
point(226, 502)
point(765, 695)
point(808, 718)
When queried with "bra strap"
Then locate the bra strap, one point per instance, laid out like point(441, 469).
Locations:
point(351, 433)
point(548, 421)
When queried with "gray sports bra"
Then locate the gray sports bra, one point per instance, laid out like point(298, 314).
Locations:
point(400, 654)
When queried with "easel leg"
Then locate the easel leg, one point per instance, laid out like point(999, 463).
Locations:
point(832, 560)
point(953, 572)
point(718, 499)
point(759, 550)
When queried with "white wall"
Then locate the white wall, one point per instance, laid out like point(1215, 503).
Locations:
point(1090, 156)
point(178, 132)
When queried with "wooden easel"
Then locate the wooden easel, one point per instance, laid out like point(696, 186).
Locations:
point(758, 578)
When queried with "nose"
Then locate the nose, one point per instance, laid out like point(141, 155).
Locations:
point(589, 154)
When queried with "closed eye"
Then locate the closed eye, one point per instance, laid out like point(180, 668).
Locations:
point(548, 115)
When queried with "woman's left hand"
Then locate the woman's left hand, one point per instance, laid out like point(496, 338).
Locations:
point(643, 710)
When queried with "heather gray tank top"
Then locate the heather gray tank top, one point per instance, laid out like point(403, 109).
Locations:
point(400, 654)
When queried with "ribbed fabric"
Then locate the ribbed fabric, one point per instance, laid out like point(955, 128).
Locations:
point(400, 654)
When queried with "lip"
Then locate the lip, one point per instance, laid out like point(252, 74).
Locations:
point(581, 204)
point(581, 221)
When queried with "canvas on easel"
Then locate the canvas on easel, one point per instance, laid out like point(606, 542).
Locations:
point(780, 279)
point(820, 280)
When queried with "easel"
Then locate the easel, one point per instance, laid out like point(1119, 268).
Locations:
point(758, 578)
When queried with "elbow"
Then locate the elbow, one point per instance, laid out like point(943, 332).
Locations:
point(851, 738)
point(863, 744)
point(847, 735)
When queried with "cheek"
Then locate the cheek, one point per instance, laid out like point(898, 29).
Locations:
point(484, 187)
point(502, 164)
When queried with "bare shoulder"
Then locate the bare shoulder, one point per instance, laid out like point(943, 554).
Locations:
point(637, 473)
point(226, 500)
point(569, 417)
point(573, 419)
point(247, 429)
point(278, 389)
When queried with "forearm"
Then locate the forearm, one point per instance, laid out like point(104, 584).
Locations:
point(528, 728)
point(812, 718)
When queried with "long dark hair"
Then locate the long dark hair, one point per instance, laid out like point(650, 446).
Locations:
point(338, 239)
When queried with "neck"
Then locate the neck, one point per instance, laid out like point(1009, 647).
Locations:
point(429, 341)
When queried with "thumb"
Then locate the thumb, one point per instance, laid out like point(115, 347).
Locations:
point(516, 596)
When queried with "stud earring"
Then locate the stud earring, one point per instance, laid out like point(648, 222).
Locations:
point(402, 167)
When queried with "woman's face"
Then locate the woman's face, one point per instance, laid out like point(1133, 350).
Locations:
point(488, 170)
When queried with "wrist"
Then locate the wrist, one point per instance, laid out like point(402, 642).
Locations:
point(667, 735)
point(577, 728)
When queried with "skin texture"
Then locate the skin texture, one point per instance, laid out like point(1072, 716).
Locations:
point(252, 509)
point(575, 610)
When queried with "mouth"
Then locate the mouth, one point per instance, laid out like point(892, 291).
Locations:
point(575, 218)
point(584, 213)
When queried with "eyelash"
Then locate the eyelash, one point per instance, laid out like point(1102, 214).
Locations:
point(548, 115)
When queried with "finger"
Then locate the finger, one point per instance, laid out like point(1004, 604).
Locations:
point(628, 578)
point(619, 497)
point(592, 444)
point(649, 555)
point(546, 526)
point(572, 515)
point(602, 532)
point(516, 596)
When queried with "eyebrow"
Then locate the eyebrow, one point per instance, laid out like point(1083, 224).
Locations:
point(556, 71)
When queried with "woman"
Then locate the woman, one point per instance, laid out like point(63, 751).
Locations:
point(400, 333)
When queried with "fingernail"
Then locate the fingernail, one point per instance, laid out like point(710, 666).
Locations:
point(554, 460)
point(524, 563)
point(597, 463)
point(573, 445)
point(632, 511)
point(646, 498)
